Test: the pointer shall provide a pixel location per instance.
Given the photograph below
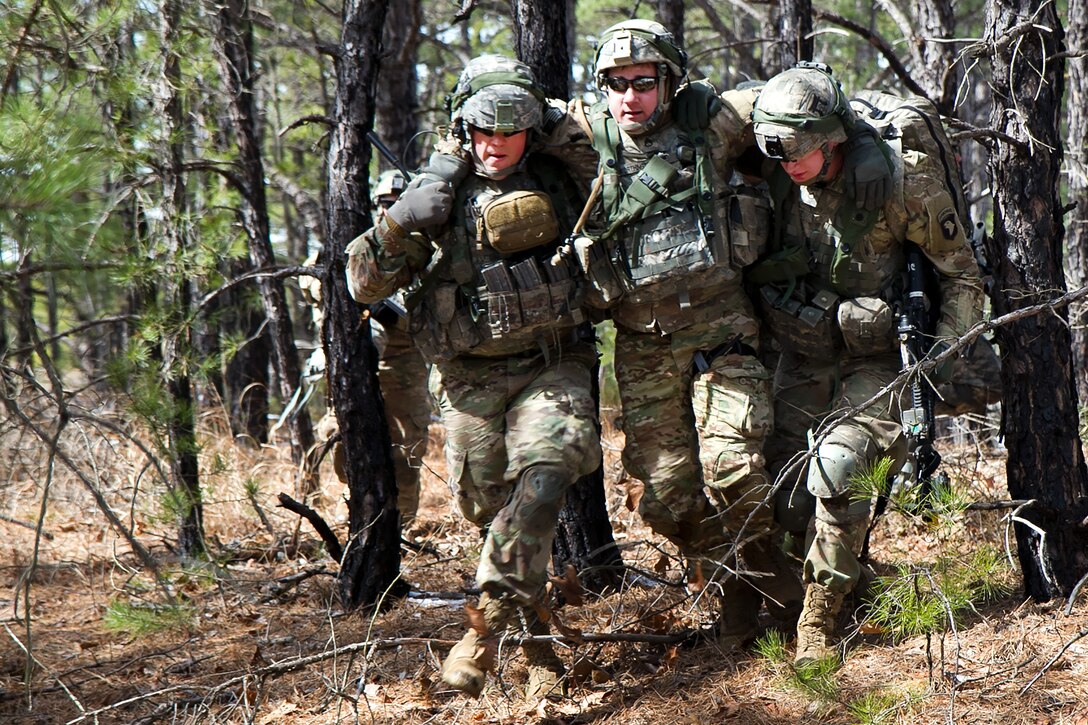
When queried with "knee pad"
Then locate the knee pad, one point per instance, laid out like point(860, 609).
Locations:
point(838, 458)
point(537, 499)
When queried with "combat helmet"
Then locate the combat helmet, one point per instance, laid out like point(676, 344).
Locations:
point(633, 42)
point(496, 93)
point(390, 183)
point(800, 110)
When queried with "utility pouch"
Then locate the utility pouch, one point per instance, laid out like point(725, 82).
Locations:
point(517, 221)
point(808, 329)
point(536, 305)
point(867, 325)
point(596, 263)
point(749, 220)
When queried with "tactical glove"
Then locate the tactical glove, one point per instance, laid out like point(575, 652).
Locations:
point(446, 167)
point(943, 372)
point(695, 104)
point(868, 171)
point(423, 203)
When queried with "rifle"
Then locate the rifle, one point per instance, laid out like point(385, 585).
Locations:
point(388, 154)
point(918, 420)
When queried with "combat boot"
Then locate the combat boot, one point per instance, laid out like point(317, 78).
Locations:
point(546, 670)
point(739, 623)
point(465, 667)
point(816, 627)
point(781, 587)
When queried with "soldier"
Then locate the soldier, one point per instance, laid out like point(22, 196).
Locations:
point(828, 295)
point(401, 372)
point(502, 323)
point(671, 241)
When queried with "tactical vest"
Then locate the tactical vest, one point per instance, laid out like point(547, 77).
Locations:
point(671, 223)
point(480, 301)
point(835, 280)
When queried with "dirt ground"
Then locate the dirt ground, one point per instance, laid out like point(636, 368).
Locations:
point(267, 642)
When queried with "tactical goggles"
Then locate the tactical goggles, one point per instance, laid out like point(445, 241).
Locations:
point(490, 132)
point(640, 84)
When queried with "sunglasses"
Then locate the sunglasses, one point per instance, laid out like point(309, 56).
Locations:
point(640, 84)
point(489, 133)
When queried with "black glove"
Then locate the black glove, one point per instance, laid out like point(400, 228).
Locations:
point(423, 203)
point(695, 104)
point(944, 370)
point(868, 171)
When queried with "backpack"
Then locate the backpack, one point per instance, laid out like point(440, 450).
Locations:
point(912, 123)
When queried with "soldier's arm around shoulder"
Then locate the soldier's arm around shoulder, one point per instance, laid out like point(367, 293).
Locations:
point(373, 273)
point(565, 134)
point(934, 225)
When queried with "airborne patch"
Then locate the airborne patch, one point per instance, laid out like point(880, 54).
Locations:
point(949, 224)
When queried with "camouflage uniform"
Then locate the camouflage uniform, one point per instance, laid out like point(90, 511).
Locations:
point(402, 374)
point(696, 398)
point(501, 320)
point(838, 331)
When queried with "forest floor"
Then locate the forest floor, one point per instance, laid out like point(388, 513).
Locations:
point(263, 640)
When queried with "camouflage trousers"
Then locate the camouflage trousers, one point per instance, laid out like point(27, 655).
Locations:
point(402, 374)
point(684, 428)
point(502, 416)
point(807, 394)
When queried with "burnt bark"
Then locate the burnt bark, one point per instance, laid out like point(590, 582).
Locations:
point(794, 37)
point(1045, 461)
point(234, 42)
point(371, 562)
point(397, 102)
point(177, 292)
point(1076, 161)
point(583, 535)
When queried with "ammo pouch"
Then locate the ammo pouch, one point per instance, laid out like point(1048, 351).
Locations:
point(867, 325)
point(804, 328)
point(442, 326)
point(748, 215)
point(597, 265)
point(517, 221)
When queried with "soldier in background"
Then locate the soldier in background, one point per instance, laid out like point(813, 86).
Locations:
point(828, 296)
point(402, 374)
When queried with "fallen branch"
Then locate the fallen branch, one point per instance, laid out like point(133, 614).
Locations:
point(1081, 635)
point(45, 534)
point(331, 542)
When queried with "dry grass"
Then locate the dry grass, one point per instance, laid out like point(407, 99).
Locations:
point(245, 618)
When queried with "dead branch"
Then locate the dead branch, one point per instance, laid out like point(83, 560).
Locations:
point(1073, 594)
point(312, 118)
point(1080, 635)
point(290, 582)
point(336, 551)
point(262, 273)
point(44, 534)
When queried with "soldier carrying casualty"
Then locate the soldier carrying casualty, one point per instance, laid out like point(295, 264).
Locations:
point(500, 319)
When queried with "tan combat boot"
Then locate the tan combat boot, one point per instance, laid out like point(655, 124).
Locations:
point(546, 670)
point(465, 667)
point(739, 623)
point(817, 624)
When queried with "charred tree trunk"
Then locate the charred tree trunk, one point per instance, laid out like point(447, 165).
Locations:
point(371, 562)
point(177, 293)
point(234, 41)
point(246, 378)
point(671, 14)
point(1076, 161)
point(583, 535)
point(935, 63)
point(397, 104)
point(794, 22)
point(1045, 460)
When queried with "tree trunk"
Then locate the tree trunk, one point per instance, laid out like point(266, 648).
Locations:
point(671, 15)
point(1045, 461)
point(540, 39)
point(583, 535)
point(246, 379)
point(1076, 164)
point(177, 293)
point(234, 41)
point(371, 562)
point(935, 63)
point(794, 42)
point(397, 105)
